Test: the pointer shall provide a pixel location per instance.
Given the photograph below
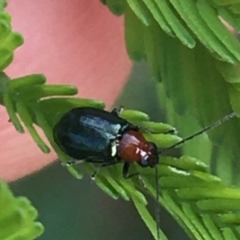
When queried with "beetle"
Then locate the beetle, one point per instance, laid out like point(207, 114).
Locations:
point(97, 136)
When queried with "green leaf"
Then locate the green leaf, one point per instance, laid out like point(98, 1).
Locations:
point(12, 41)
point(210, 224)
point(158, 16)
point(17, 218)
point(34, 79)
point(134, 42)
point(192, 17)
point(133, 115)
point(148, 219)
point(195, 220)
point(140, 10)
point(226, 2)
point(180, 31)
point(116, 6)
point(212, 20)
point(229, 18)
point(235, 8)
point(5, 59)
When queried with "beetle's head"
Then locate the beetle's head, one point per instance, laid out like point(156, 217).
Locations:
point(150, 158)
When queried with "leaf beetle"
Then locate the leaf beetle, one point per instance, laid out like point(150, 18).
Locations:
point(97, 136)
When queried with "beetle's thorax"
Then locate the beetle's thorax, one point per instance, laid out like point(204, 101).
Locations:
point(133, 147)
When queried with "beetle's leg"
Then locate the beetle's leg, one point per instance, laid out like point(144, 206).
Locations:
point(125, 171)
point(71, 162)
point(126, 176)
point(117, 111)
point(95, 172)
point(102, 165)
point(78, 161)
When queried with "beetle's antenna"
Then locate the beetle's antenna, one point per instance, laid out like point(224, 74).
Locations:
point(217, 123)
point(157, 207)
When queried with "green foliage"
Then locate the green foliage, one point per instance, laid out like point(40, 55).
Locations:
point(9, 40)
point(197, 59)
point(204, 206)
point(17, 218)
point(30, 98)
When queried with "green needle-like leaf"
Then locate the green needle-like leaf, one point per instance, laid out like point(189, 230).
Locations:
point(17, 218)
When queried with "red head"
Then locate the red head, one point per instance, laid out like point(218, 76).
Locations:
point(133, 147)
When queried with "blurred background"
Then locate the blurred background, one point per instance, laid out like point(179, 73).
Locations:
point(73, 209)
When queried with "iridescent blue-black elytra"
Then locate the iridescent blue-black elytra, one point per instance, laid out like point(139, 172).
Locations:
point(88, 133)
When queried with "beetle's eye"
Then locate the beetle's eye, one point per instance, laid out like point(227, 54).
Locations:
point(153, 155)
point(152, 160)
point(153, 148)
